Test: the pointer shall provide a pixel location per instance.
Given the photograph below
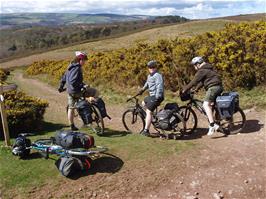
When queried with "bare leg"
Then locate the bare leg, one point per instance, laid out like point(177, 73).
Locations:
point(70, 116)
point(148, 119)
point(208, 109)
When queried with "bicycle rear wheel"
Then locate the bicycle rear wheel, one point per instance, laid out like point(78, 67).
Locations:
point(97, 124)
point(133, 121)
point(190, 118)
point(235, 124)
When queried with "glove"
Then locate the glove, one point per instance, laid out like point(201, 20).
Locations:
point(60, 89)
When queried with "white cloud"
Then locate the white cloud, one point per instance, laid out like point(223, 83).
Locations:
point(187, 8)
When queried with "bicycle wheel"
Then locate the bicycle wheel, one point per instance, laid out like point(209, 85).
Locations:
point(190, 118)
point(86, 152)
point(97, 124)
point(132, 121)
point(235, 124)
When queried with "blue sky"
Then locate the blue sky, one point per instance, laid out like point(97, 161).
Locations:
point(188, 8)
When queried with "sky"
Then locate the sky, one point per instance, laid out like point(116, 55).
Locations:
point(192, 9)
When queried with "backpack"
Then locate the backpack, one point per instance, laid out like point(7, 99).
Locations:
point(21, 146)
point(84, 111)
point(70, 140)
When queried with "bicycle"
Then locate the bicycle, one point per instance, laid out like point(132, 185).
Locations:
point(134, 121)
point(48, 146)
point(230, 125)
point(96, 122)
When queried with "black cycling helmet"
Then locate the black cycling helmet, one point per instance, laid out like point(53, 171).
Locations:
point(197, 60)
point(152, 64)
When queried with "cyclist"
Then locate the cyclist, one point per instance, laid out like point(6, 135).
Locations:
point(155, 85)
point(206, 76)
point(73, 79)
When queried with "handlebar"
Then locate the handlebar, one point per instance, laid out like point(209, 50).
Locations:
point(134, 97)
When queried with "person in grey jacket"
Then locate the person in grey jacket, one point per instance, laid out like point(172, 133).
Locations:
point(155, 85)
point(73, 79)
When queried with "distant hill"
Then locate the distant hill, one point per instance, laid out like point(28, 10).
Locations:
point(246, 17)
point(55, 19)
point(24, 34)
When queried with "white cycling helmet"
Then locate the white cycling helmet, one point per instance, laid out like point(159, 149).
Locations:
point(197, 60)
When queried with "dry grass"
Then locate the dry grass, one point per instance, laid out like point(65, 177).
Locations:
point(169, 32)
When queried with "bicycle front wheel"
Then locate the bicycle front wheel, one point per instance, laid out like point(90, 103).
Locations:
point(235, 124)
point(190, 118)
point(97, 124)
point(132, 121)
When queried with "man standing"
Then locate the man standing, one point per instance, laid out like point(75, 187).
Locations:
point(206, 76)
point(73, 79)
point(155, 85)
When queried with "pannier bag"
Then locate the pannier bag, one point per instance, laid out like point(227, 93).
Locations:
point(70, 140)
point(21, 147)
point(68, 165)
point(172, 106)
point(84, 111)
point(163, 117)
point(227, 104)
point(101, 106)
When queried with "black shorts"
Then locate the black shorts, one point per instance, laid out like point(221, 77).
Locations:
point(152, 103)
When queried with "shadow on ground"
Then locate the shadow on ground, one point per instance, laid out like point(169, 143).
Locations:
point(114, 133)
point(252, 126)
point(105, 164)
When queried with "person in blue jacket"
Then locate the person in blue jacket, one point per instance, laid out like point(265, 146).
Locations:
point(73, 78)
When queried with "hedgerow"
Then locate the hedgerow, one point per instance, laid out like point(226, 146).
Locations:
point(24, 113)
point(237, 52)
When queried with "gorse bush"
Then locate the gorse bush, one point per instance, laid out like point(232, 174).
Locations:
point(24, 113)
point(237, 52)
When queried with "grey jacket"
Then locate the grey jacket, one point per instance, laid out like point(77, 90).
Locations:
point(155, 84)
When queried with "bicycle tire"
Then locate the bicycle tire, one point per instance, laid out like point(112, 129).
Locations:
point(87, 152)
point(98, 119)
point(232, 125)
point(130, 116)
point(190, 118)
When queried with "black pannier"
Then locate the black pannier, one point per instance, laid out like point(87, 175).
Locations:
point(68, 166)
point(227, 104)
point(164, 117)
point(101, 106)
point(84, 111)
point(70, 140)
point(172, 106)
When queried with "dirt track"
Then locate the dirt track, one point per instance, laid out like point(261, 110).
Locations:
point(222, 167)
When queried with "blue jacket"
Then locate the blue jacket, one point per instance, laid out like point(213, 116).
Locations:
point(73, 78)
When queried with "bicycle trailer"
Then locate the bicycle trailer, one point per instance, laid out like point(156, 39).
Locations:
point(227, 104)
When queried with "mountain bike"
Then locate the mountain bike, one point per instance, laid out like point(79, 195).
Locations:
point(96, 124)
point(229, 125)
point(134, 121)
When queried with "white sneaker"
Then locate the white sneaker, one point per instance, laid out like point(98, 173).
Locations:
point(212, 129)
